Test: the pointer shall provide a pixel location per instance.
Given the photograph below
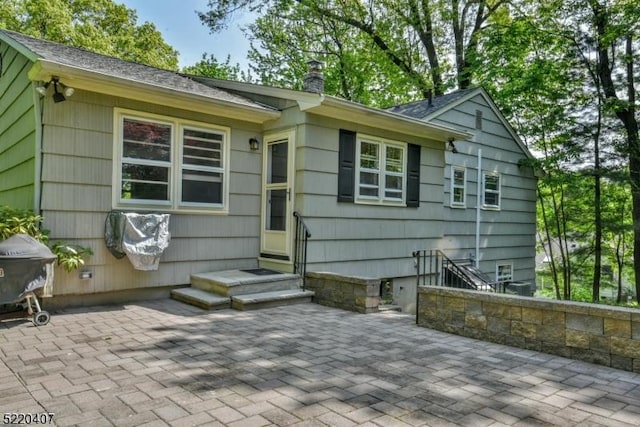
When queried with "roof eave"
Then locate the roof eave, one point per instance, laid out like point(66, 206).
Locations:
point(346, 110)
point(304, 100)
point(79, 78)
point(337, 108)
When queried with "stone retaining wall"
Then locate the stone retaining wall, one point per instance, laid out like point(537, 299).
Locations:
point(599, 334)
point(359, 294)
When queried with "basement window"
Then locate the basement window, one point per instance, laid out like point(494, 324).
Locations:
point(504, 272)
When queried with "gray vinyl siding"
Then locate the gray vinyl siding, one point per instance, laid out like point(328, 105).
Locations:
point(77, 195)
point(507, 235)
point(359, 239)
point(17, 131)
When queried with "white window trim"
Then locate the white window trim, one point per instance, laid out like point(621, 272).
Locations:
point(382, 144)
point(498, 192)
point(503, 279)
point(462, 204)
point(175, 168)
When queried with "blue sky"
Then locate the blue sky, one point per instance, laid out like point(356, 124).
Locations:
point(181, 28)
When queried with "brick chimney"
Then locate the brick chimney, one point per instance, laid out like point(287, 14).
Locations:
point(314, 80)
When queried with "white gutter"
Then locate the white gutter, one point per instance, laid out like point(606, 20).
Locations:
point(478, 210)
point(39, 131)
point(332, 101)
point(338, 108)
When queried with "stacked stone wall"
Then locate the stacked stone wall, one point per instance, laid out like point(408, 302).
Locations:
point(359, 294)
point(599, 334)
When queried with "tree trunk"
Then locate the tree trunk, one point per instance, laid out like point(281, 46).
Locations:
point(597, 266)
point(552, 261)
point(625, 111)
point(619, 262)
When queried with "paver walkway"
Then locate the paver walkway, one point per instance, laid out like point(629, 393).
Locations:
point(165, 363)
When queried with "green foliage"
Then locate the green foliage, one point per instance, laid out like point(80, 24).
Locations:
point(70, 257)
point(101, 26)
point(209, 66)
point(581, 290)
point(22, 221)
point(354, 68)
point(378, 53)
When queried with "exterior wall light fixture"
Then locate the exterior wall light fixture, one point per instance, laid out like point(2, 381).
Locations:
point(60, 91)
point(452, 146)
point(254, 144)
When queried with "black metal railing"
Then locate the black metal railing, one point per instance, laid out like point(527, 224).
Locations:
point(434, 268)
point(300, 248)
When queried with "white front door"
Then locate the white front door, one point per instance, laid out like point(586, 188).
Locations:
point(277, 188)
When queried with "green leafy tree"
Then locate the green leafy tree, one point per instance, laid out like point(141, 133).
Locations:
point(431, 44)
point(209, 66)
point(544, 68)
point(530, 74)
point(101, 26)
point(354, 69)
point(618, 230)
point(616, 25)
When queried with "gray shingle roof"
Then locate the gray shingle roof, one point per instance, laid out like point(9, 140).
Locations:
point(115, 67)
point(421, 109)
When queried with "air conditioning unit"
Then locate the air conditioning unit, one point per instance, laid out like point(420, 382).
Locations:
point(519, 288)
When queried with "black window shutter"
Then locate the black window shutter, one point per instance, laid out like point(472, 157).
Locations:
point(413, 176)
point(346, 166)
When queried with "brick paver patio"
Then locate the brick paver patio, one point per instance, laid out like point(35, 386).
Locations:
point(165, 363)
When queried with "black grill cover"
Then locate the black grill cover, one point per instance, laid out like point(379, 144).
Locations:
point(23, 269)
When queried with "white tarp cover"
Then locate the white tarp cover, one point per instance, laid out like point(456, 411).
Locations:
point(141, 237)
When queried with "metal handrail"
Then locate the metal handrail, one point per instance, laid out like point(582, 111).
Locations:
point(443, 271)
point(300, 248)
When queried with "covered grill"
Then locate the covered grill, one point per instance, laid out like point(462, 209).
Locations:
point(26, 272)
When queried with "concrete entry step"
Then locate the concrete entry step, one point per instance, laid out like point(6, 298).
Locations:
point(240, 282)
point(271, 299)
point(200, 298)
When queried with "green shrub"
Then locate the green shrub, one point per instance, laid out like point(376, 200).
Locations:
point(23, 221)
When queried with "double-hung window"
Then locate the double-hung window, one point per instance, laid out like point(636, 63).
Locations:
point(381, 171)
point(166, 163)
point(504, 272)
point(458, 186)
point(491, 190)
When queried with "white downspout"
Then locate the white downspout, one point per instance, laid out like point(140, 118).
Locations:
point(478, 210)
point(38, 103)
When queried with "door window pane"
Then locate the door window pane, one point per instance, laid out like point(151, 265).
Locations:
point(276, 210)
point(277, 162)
